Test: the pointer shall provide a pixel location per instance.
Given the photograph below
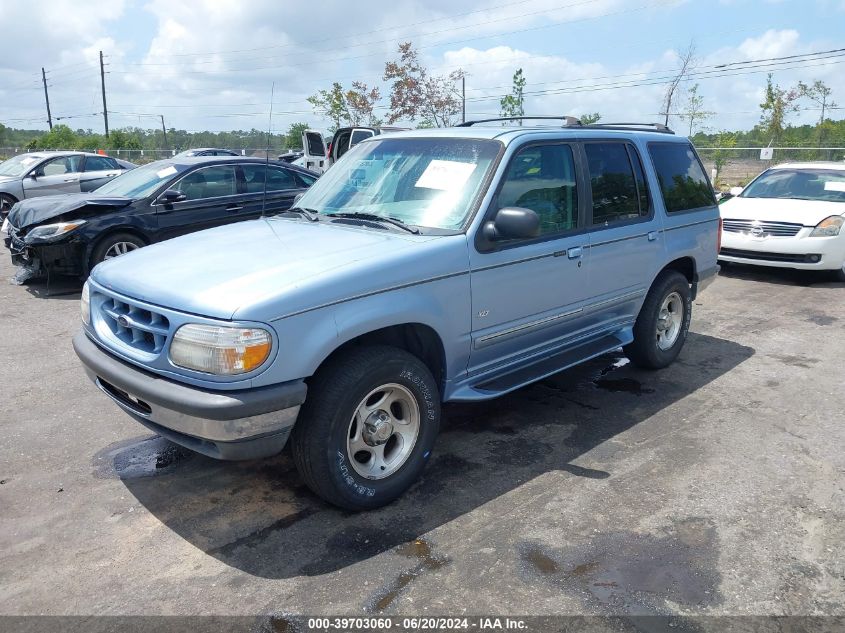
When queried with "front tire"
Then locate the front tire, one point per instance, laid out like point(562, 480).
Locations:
point(115, 245)
point(6, 204)
point(367, 428)
point(662, 325)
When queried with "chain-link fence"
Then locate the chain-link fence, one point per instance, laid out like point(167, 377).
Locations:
point(736, 166)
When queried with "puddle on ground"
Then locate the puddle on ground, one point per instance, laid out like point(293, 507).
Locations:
point(419, 550)
point(139, 457)
point(622, 385)
point(633, 573)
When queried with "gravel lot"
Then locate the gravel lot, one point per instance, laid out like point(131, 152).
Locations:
point(712, 487)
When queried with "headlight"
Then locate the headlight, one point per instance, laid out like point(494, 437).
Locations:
point(53, 230)
point(828, 227)
point(223, 351)
point(85, 304)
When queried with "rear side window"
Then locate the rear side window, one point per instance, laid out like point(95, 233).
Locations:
point(98, 163)
point(615, 186)
point(278, 179)
point(682, 180)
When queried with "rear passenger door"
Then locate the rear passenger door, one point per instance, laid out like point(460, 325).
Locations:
point(212, 199)
point(625, 237)
point(282, 188)
point(97, 171)
point(527, 294)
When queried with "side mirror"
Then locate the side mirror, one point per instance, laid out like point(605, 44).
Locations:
point(512, 223)
point(171, 195)
point(33, 174)
point(735, 191)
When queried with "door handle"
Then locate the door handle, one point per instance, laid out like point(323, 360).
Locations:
point(71, 179)
point(652, 235)
point(574, 253)
point(234, 207)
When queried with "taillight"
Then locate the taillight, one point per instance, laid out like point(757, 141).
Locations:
point(719, 238)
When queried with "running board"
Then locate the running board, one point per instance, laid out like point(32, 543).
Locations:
point(551, 365)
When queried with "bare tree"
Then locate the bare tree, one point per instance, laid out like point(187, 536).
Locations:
point(686, 61)
point(417, 94)
point(819, 93)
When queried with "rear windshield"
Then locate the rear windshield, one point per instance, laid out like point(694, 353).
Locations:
point(799, 184)
point(682, 180)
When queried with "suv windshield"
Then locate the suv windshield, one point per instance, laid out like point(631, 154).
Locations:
point(428, 182)
point(18, 165)
point(141, 181)
point(799, 184)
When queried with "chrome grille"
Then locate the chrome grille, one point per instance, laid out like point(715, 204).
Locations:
point(773, 229)
point(137, 327)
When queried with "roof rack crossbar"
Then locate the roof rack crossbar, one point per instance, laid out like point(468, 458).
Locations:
point(568, 120)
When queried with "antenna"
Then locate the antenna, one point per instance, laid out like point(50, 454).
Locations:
point(267, 151)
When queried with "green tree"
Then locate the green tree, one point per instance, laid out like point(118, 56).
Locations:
point(587, 119)
point(722, 156)
point(513, 105)
point(293, 138)
point(777, 105)
point(694, 110)
point(60, 137)
point(331, 104)
point(417, 94)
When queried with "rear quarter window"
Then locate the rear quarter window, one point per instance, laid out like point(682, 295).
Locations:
point(683, 183)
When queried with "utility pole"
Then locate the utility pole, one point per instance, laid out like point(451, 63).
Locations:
point(103, 84)
point(463, 99)
point(164, 131)
point(46, 98)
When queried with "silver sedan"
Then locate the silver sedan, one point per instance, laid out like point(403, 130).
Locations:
point(51, 173)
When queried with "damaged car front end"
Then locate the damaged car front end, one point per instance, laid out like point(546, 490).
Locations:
point(47, 236)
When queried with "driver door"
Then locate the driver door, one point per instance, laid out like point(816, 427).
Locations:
point(55, 176)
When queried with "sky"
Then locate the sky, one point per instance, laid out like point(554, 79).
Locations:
point(210, 64)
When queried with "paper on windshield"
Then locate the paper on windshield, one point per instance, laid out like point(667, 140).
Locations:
point(445, 175)
point(835, 185)
point(167, 171)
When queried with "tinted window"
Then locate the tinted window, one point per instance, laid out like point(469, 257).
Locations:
point(98, 163)
point(359, 135)
point(210, 182)
point(542, 178)
point(342, 144)
point(315, 145)
point(614, 188)
point(682, 180)
point(279, 180)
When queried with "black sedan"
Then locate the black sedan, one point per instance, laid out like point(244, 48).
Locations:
point(71, 234)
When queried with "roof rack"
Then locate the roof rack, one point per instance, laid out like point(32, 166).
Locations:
point(571, 121)
point(654, 127)
point(568, 120)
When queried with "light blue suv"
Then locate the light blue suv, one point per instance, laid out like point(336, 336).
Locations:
point(424, 267)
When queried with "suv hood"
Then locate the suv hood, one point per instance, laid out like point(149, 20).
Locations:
point(34, 211)
point(268, 268)
point(806, 212)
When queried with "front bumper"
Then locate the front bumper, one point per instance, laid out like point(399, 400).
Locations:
point(64, 257)
point(242, 424)
point(800, 252)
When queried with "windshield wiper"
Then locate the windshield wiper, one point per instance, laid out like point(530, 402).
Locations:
point(377, 218)
point(312, 215)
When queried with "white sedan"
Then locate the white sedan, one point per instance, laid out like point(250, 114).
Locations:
point(790, 216)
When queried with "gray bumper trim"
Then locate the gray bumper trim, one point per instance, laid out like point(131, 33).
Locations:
point(704, 279)
point(195, 415)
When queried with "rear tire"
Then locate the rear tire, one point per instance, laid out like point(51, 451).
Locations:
point(662, 325)
point(839, 275)
point(360, 466)
point(115, 245)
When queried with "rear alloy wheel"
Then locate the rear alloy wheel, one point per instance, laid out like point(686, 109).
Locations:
point(662, 325)
point(114, 246)
point(367, 428)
